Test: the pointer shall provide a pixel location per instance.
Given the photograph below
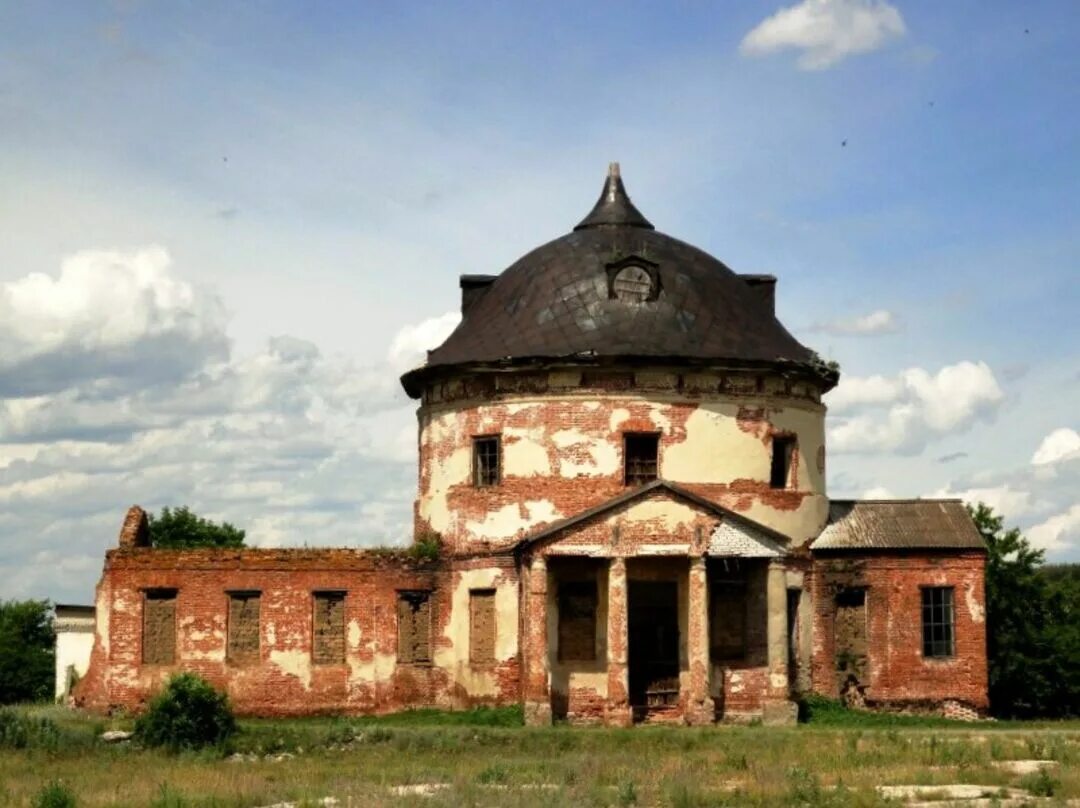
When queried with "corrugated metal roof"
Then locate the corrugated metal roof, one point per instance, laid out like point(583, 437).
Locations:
point(898, 524)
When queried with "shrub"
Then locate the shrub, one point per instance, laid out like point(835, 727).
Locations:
point(54, 795)
point(188, 714)
point(18, 730)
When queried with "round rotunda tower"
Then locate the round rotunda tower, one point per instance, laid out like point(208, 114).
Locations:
point(609, 358)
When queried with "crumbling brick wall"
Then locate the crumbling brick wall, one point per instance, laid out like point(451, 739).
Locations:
point(562, 448)
point(893, 670)
point(358, 670)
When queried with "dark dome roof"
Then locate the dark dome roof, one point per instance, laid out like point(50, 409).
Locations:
point(559, 302)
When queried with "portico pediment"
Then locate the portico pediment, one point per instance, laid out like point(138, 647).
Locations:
point(657, 519)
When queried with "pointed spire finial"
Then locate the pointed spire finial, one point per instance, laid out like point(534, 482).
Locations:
point(614, 207)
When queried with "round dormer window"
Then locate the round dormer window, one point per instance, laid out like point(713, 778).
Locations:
point(632, 284)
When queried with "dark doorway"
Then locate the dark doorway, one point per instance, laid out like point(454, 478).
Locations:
point(654, 643)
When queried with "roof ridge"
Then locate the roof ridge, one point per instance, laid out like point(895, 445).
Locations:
point(900, 500)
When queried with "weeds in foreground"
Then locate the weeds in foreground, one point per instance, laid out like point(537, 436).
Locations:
point(1040, 783)
point(55, 794)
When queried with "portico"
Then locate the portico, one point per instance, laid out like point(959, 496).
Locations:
point(647, 625)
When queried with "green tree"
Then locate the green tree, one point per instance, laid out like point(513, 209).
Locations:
point(26, 651)
point(1032, 637)
point(180, 528)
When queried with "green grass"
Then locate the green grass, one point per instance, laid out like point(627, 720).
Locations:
point(485, 757)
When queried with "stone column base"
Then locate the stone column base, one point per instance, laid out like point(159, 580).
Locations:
point(780, 714)
point(537, 713)
point(699, 714)
point(618, 715)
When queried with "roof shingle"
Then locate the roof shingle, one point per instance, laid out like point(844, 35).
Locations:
point(898, 524)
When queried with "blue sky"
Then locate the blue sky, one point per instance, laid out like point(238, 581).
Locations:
point(225, 230)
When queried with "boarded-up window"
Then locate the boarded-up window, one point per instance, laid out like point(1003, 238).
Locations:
point(328, 647)
point(414, 627)
point(727, 622)
point(482, 625)
point(243, 634)
point(159, 626)
point(577, 621)
point(850, 630)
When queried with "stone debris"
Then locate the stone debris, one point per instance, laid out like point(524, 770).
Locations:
point(251, 757)
point(981, 802)
point(954, 791)
point(116, 736)
point(1024, 766)
point(419, 789)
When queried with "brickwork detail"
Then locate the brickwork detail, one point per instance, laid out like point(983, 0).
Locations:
point(243, 641)
point(414, 627)
point(482, 626)
point(895, 671)
point(159, 627)
point(328, 647)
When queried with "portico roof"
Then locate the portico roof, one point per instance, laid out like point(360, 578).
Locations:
point(756, 539)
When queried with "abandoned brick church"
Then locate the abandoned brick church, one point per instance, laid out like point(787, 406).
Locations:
point(622, 459)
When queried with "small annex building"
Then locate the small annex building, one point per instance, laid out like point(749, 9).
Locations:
point(622, 469)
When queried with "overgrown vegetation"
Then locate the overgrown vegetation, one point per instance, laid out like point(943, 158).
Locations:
point(825, 712)
point(26, 651)
point(21, 730)
point(188, 714)
point(474, 758)
point(55, 794)
point(1032, 626)
point(426, 547)
point(179, 528)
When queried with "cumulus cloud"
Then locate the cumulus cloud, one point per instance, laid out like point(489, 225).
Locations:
point(1060, 531)
point(1005, 500)
point(107, 315)
point(904, 413)
point(1058, 445)
point(826, 31)
point(297, 447)
point(410, 345)
point(877, 322)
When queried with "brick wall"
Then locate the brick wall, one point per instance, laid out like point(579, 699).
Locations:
point(896, 673)
point(283, 676)
point(562, 452)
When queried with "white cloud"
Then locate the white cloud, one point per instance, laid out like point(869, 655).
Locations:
point(826, 31)
point(1058, 532)
point(1058, 445)
point(108, 314)
point(878, 492)
point(296, 447)
point(410, 345)
point(877, 322)
point(1005, 500)
point(904, 413)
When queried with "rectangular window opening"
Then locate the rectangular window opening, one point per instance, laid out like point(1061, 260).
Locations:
point(486, 465)
point(414, 627)
point(159, 627)
point(640, 453)
point(482, 626)
point(783, 447)
point(938, 621)
point(242, 643)
point(577, 621)
point(328, 647)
